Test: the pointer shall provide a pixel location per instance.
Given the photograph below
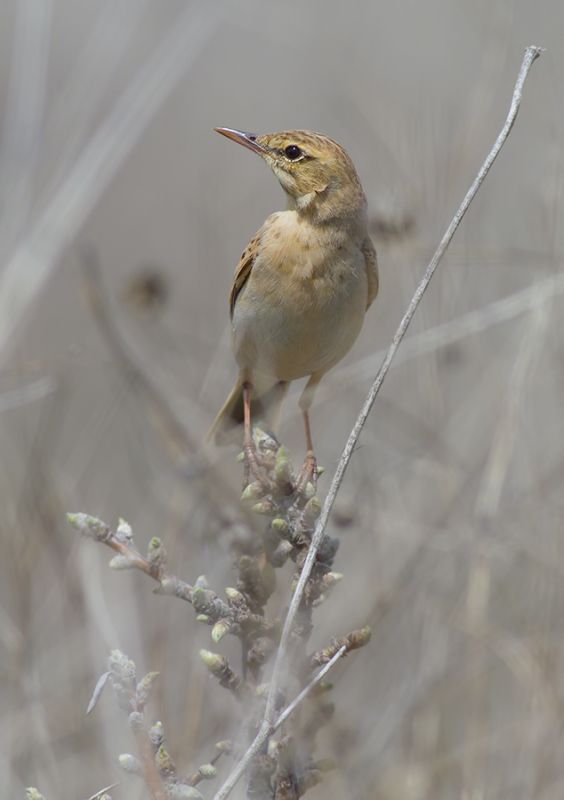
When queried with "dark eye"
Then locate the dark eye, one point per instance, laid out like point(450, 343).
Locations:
point(293, 152)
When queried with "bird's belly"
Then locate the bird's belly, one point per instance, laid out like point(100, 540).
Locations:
point(300, 333)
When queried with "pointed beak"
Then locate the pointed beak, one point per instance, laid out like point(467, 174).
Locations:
point(248, 140)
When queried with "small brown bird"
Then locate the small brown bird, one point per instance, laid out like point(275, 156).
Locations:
point(302, 285)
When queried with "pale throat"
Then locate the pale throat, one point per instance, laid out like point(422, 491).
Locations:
point(327, 204)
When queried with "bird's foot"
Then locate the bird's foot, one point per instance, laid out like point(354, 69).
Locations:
point(259, 458)
point(308, 473)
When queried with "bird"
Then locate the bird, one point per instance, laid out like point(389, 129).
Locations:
point(302, 285)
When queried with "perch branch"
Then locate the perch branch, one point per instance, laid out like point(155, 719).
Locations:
point(531, 54)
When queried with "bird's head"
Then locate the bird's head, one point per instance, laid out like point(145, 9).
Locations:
point(315, 172)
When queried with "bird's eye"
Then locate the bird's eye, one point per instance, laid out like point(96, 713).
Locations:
point(293, 152)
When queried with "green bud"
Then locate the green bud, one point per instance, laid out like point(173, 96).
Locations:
point(202, 618)
point(156, 553)
point(253, 491)
point(309, 490)
point(280, 525)
point(144, 687)
point(259, 434)
point(234, 595)
point(283, 467)
point(213, 661)
point(265, 508)
point(207, 771)
point(220, 629)
point(312, 508)
point(121, 667)
point(331, 578)
point(156, 733)
point(199, 595)
point(89, 526)
point(123, 530)
point(31, 793)
point(281, 553)
point(164, 762)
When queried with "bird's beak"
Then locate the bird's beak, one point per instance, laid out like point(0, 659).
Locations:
point(248, 140)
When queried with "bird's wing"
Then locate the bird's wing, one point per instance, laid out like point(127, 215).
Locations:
point(371, 264)
point(243, 270)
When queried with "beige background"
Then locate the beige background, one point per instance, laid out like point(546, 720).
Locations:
point(451, 513)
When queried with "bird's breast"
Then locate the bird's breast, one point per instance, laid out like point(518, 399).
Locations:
point(304, 302)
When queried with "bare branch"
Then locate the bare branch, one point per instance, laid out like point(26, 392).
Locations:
point(130, 557)
point(100, 792)
point(531, 54)
point(307, 689)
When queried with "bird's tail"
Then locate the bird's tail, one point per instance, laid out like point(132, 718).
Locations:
point(265, 407)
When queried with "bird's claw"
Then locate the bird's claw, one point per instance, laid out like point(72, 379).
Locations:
point(255, 466)
point(308, 473)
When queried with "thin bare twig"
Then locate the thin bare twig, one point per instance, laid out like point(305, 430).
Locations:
point(307, 689)
point(100, 792)
point(531, 54)
point(132, 558)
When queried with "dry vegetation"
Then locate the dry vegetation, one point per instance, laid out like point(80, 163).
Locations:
point(450, 516)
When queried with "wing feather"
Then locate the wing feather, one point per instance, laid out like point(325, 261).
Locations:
point(371, 263)
point(243, 270)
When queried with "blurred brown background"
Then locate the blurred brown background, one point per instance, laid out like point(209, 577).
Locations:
point(451, 515)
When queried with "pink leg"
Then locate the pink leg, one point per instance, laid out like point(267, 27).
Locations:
point(309, 469)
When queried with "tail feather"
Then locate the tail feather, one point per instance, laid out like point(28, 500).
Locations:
point(265, 407)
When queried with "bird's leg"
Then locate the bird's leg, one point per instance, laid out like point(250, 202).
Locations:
point(248, 444)
point(308, 473)
point(310, 464)
point(252, 466)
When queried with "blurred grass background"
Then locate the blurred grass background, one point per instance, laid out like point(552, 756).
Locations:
point(451, 516)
